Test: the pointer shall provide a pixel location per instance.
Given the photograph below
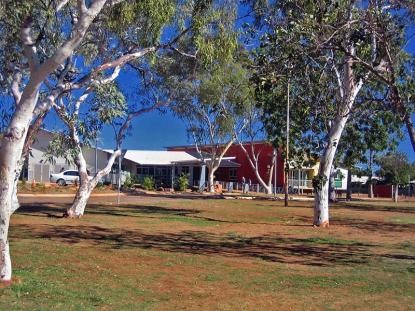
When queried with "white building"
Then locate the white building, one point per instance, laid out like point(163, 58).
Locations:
point(38, 169)
point(163, 166)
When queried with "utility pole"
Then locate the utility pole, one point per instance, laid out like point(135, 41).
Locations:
point(96, 155)
point(287, 165)
point(119, 179)
point(275, 172)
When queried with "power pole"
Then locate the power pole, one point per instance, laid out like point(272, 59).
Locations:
point(96, 155)
point(287, 165)
point(275, 172)
point(119, 179)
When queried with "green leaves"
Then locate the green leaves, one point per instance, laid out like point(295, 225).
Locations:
point(61, 146)
point(143, 20)
point(109, 103)
point(396, 169)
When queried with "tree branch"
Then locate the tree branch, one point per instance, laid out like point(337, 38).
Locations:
point(15, 87)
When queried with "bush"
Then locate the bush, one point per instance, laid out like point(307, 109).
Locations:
point(148, 183)
point(100, 186)
point(183, 182)
point(129, 182)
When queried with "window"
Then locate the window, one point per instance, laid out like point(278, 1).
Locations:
point(232, 174)
point(185, 170)
point(71, 173)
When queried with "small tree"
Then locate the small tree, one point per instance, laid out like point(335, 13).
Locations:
point(253, 131)
point(397, 170)
point(213, 107)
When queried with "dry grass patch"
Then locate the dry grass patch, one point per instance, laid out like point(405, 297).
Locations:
point(158, 253)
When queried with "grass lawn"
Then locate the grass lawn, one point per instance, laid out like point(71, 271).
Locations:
point(159, 253)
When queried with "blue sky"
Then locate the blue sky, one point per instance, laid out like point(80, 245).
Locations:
point(157, 130)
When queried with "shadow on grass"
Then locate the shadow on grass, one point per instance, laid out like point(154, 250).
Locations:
point(184, 195)
point(269, 248)
point(150, 211)
point(375, 226)
point(380, 207)
point(313, 251)
point(50, 210)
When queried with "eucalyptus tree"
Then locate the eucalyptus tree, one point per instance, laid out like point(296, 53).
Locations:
point(390, 23)
point(367, 135)
point(208, 86)
point(84, 119)
point(37, 38)
point(319, 42)
point(254, 152)
point(213, 109)
point(272, 97)
point(110, 103)
point(53, 48)
point(397, 170)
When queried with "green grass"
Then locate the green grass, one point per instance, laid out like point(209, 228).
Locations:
point(194, 221)
point(209, 255)
point(407, 220)
point(330, 241)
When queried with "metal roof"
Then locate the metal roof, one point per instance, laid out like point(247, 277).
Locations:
point(151, 157)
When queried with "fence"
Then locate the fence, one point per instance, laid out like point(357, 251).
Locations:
point(237, 186)
point(300, 183)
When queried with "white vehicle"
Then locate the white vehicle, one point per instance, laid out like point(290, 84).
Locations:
point(64, 178)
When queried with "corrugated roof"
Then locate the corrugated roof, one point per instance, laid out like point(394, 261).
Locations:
point(151, 157)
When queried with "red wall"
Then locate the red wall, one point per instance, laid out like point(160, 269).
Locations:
point(382, 191)
point(245, 169)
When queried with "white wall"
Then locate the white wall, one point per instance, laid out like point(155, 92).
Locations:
point(101, 159)
point(39, 169)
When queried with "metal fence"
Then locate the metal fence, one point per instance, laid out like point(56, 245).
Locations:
point(300, 183)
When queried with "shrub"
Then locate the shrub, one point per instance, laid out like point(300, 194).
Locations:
point(183, 182)
point(100, 186)
point(148, 183)
point(129, 182)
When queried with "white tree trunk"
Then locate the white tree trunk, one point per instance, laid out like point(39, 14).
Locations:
point(321, 206)
point(14, 138)
point(371, 193)
point(253, 160)
point(395, 193)
point(321, 202)
point(82, 195)
point(10, 168)
point(5, 261)
point(348, 91)
point(87, 185)
point(211, 179)
point(370, 180)
point(332, 186)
